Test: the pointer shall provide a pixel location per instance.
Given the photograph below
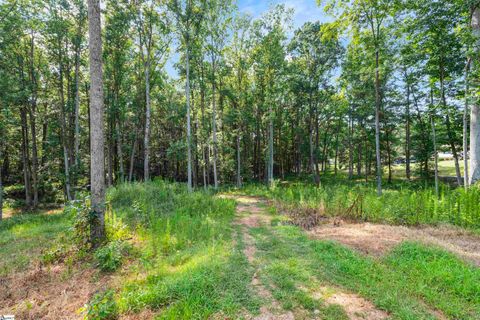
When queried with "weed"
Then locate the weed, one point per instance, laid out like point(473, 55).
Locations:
point(109, 257)
point(101, 307)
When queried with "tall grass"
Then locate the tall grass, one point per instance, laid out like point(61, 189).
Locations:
point(190, 265)
point(407, 204)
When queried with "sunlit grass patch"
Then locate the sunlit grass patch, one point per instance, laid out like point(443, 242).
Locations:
point(191, 266)
point(24, 237)
point(413, 282)
point(439, 277)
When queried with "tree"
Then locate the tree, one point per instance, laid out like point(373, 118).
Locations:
point(97, 157)
point(218, 17)
point(317, 50)
point(475, 108)
point(188, 16)
point(369, 15)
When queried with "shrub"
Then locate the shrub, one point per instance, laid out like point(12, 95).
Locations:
point(101, 307)
point(109, 257)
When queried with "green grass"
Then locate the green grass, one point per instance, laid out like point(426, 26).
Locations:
point(190, 265)
point(24, 238)
point(188, 261)
point(446, 168)
point(409, 283)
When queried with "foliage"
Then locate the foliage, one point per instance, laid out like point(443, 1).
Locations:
point(402, 203)
point(110, 256)
point(192, 267)
point(101, 307)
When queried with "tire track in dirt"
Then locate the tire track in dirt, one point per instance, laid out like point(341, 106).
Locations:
point(251, 214)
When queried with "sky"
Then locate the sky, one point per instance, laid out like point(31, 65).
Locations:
point(305, 10)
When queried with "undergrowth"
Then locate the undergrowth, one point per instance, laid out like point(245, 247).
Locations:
point(190, 267)
point(405, 203)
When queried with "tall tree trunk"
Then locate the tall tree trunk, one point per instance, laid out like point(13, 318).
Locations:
point(434, 138)
point(350, 145)
point(97, 144)
point(189, 138)
point(450, 133)
point(466, 178)
point(132, 157)
point(239, 164)
point(377, 123)
point(407, 135)
point(475, 113)
point(33, 127)
point(110, 152)
point(25, 158)
point(270, 145)
point(120, 151)
point(77, 99)
point(43, 160)
point(146, 141)
point(336, 147)
point(214, 126)
point(63, 127)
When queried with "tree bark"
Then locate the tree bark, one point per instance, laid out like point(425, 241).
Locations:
point(377, 123)
point(146, 142)
point(270, 145)
point(25, 158)
point(407, 135)
point(450, 133)
point(189, 138)
point(63, 127)
point(77, 96)
point(33, 126)
point(132, 157)
point(466, 178)
point(434, 138)
point(239, 165)
point(214, 126)
point(475, 114)
point(97, 156)
point(120, 151)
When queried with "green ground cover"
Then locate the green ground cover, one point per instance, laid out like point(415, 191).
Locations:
point(187, 260)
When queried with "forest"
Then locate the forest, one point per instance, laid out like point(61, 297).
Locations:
point(240, 159)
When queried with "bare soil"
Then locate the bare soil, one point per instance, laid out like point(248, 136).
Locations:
point(251, 215)
point(377, 239)
point(356, 307)
point(49, 292)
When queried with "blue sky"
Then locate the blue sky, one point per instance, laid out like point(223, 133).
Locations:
point(305, 10)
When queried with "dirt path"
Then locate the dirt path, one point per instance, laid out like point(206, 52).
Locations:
point(251, 214)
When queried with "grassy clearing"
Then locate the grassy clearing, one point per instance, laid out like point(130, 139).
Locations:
point(187, 260)
point(190, 265)
point(24, 238)
point(413, 282)
point(403, 203)
point(446, 168)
